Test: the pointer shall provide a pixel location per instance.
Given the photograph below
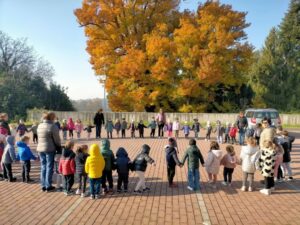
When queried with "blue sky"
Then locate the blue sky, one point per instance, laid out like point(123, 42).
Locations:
point(51, 28)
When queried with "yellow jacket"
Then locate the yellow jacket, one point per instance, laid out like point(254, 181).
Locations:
point(95, 162)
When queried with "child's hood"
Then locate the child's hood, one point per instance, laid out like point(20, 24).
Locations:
point(249, 150)
point(21, 144)
point(95, 151)
point(217, 153)
point(121, 153)
point(10, 140)
point(105, 145)
point(145, 149)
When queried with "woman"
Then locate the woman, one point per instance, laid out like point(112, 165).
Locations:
point(99, 121)
point(49, 143)
point(161, 120)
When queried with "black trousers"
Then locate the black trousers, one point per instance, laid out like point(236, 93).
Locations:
point(35, 138)
point(227, 138)
point(68, 182)
point(81, 179)
point(98, 131)
point(132, 134)
point(71, 134)
point(26, 166)
point(123, 179)
point(171, 174)
point(161, 129)
point(227, 173)
point(141, 132)
point(279, 174)
point(107, 176)
point(152, 133)
point(123, 133)
point(269, 182)
point(109, 135)
point(7, 171)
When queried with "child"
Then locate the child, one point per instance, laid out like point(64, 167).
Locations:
point(109, 158)
point(109, 126)
point(132, 129)
point(248, 158)
point(141, 127)
point(123, 128)
point(140, 166)
point(33, 129)
point(176, 127)
point(196, 128)
point(286, 164)
point(122, 165)
point(169, 128)
point(193, 155)
point(67, 167)
point(118, 127)
point(232, 133)
point(59, 176)
point(152, 126)
point(186, 129)
point(279, 158)
point(94, 167)
point(208, 131)
point(64, 128)
point(229, 162)
point(257, 132)
point(219, 130)
point(8, 158)
point(25, 155)
point(172, 161)
point(2, 146)
point(80, 160)
point(212, 163)
point(89, 130)
point(57, 123)
point(266, 165)
point(71, 127)
point(4, 127)
point(227, 130)
point(78, 128)
point(21, 129)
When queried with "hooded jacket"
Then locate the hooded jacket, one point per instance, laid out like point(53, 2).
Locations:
point(193, 155)
point(9, 155)
point(67, 162)
point(24, 152)
point(152, 125)
point(95, 162)
point(71, 125)
point(118, 126)
point(143, 159)
point(80, 161)
point(108, 155)
point(212, 163)
point(122, 161)
point(249, 155)
point(171, 157)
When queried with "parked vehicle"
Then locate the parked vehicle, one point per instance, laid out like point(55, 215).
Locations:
point(255, 116)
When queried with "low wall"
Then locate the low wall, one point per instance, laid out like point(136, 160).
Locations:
point(290, 119)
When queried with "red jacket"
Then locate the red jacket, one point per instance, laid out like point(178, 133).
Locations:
point(66, 166)
point(233, 131)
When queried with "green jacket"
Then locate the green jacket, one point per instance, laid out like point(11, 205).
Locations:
point(193, 155)
point(108, 155)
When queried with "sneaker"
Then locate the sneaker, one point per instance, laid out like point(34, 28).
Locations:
point(97, 196)
point(265, 191)
point(290, 179)
point(92, 197)
point(137, 192)
point(78, 192)
point(29, 181)
point(243, 188)
point(44, 189)
point(83, 195)
point(272, 188)
point(50, 189)
point(190, 188)
point(280, 180)
point(13, 180)
point(125, 191)
point(146, 189)
point(60, 189)
point(250, 189)
point(224, 183)
point(119, 191)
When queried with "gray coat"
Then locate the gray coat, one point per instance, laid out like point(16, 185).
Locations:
point(9, 154)
point(49, 140)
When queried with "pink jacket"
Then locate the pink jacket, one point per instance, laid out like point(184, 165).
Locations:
point(78, 127)
point(71, 125)
point(229, 161)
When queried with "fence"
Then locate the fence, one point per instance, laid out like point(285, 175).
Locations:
point(34, 115)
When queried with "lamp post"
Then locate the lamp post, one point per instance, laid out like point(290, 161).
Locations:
point(102, 80)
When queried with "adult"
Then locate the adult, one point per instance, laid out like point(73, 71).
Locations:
point(99, 121)
point(49, 143)
point(161, 121)
point(242, 124)
point(268, 132)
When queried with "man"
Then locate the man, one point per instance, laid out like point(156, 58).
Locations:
point(268, 132)
point(242, 124)
point(98, 121)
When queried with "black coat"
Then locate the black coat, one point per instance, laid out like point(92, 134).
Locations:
point(171, 157)
point(122, 161)
point(99, 119)
point(142, 159)
point(80, 162)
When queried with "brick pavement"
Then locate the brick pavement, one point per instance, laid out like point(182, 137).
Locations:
point(26, 204)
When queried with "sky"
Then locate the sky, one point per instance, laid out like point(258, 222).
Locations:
point(52, 30)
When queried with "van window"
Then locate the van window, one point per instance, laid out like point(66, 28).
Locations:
point(272, 115)
point(249, 114)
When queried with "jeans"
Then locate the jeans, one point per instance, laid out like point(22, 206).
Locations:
point(82, 178)
point(107, 175)
point(7, 171)
point(123, 179)
point(68, 182)
point(26, 166)
point(95, 184)
point(65, 134)
point(196, 134)
point(286, 169)
point(194, 178)
point(242, 136)
point(220, 139)
point(227, 173)
point(171, 174)
point(98, 131)
point(47, 165)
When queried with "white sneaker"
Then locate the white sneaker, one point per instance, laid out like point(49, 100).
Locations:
point(272, 188)
point(78, 192)
point(243, 188)
point(250, 189)
point(190, 188)
point(280, 180)
point(265, 191)
point(224, 183)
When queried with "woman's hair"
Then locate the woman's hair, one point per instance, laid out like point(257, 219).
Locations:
point(49, 116)
point(69, 145)
point(214, 146)
point(81, 148)
point(251, 141)
point(230, 149)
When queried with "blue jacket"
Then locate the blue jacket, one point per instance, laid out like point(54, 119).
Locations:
point(122, 161)
point(24, 152)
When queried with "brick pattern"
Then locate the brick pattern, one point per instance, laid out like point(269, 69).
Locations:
point(26, 204)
